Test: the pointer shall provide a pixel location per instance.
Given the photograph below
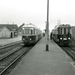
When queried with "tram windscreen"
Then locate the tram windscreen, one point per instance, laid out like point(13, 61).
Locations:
point(64, 30)
point(26, 31)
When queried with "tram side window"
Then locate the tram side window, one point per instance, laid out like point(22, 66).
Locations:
point(67, 31)
point(70, 31)
point(33, 31)
point(64, 30)
point(60, 31)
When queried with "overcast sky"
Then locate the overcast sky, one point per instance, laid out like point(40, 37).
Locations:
point(35, 11)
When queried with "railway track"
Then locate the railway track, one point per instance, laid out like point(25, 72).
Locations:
point(70, 51)
point(9, 48)
point(10, 54)
point(10, 51)
point(11, 58)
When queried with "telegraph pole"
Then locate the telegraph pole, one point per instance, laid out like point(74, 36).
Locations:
point(47, 27)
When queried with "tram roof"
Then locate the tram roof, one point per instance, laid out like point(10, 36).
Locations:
point(63, 25)
point(31, 26)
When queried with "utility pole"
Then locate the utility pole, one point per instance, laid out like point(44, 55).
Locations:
point(47, 27)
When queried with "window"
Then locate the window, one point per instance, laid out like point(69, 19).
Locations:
point(64, 30)
point(31, 31)
point(26, 31)
point(60, 31)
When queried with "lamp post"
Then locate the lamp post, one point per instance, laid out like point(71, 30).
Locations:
point(47, 27)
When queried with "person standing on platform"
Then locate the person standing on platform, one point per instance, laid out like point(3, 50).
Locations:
point(51, 36)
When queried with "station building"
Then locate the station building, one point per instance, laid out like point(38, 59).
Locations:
point(8, 30)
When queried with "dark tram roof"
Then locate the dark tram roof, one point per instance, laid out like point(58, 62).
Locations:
point(63, 25)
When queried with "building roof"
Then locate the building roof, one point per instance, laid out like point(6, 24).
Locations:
point(30, 25)
point(20, 27)
point(11, 27)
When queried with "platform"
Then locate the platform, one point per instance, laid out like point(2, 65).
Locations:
point(9, 41)
point(41, 62)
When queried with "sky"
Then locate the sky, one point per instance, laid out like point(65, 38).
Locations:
point(35, 12)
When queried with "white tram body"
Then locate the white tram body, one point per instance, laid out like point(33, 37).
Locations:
point(31, 34)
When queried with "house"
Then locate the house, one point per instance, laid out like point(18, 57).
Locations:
point(8, 30)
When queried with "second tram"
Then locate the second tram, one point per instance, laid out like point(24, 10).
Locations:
point(62, 34)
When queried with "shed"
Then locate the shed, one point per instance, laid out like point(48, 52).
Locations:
point(8, 30)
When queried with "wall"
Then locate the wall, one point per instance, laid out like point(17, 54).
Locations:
point(5, 33)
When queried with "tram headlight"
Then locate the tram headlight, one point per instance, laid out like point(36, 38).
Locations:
point(69, 38)
point(30, 39)
point(60, 38)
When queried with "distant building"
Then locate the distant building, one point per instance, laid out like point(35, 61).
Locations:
point(8, 30)
point(20, 28)
point(58, 22)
